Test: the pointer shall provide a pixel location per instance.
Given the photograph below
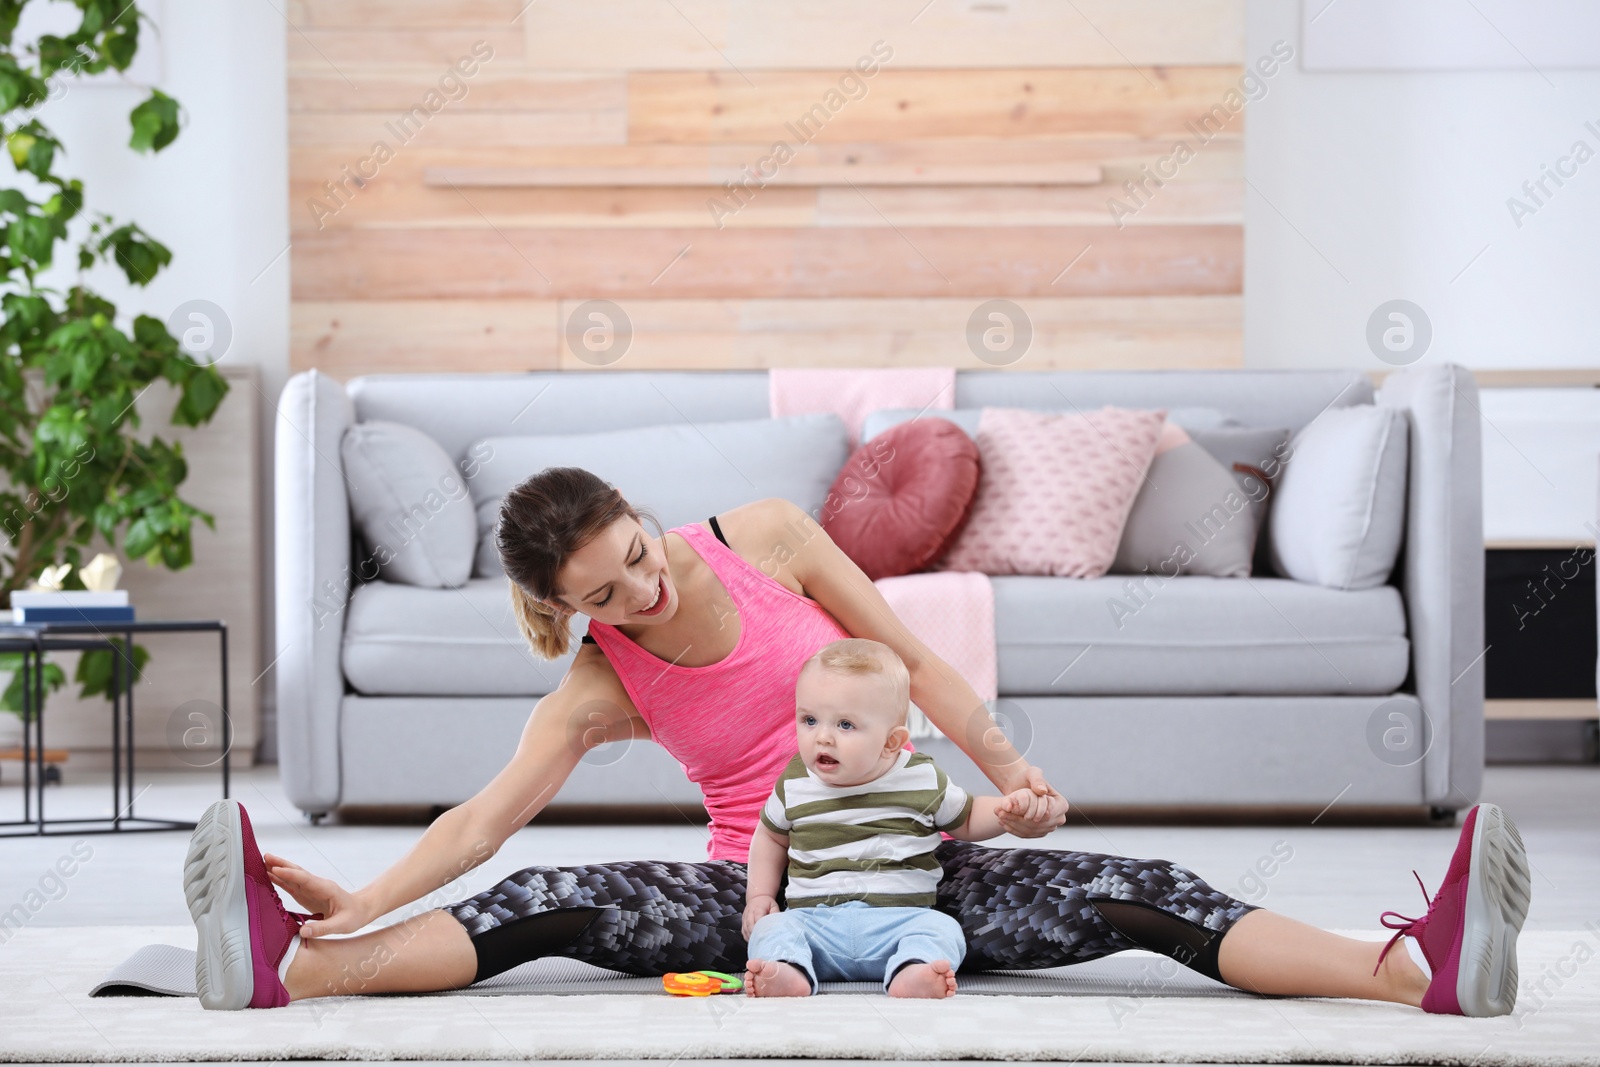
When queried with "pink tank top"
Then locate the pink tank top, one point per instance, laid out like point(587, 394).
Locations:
point(730, 723)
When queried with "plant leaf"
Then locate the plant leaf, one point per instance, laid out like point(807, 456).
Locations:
point(155, 123)
point(11, 699)
point(140, 538)
point(94, 668)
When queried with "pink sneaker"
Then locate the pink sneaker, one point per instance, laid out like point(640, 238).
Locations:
point(1469, 933)
point(246, 935)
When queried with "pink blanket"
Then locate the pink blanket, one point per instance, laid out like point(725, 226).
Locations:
point(853, 393)
point(952, 612)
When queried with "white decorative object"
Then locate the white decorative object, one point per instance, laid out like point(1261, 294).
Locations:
point(69, 598)
point(51, 579)
point(101, 573)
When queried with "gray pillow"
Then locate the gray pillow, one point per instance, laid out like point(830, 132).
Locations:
point(409, 505)
point(1203, 504)
point(1190, 517)
point(1254, 455)
point(682, 472)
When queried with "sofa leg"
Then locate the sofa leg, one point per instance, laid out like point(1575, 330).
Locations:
point(316, 817)
point(1441, 816)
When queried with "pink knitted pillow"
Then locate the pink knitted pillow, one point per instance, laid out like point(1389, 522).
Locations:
point(1056, 490)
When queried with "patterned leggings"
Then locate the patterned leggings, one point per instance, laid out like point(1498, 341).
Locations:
point(1021, 909)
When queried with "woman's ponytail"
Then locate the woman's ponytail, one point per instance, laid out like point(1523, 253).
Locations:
point(545, 630)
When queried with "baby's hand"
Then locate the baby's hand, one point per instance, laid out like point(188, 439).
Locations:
point(1046, 810)
point(1023, 804)
point(754, 910)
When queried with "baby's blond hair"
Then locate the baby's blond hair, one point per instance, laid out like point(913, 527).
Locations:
point(862, 655)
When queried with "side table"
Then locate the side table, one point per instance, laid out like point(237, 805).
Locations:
point(34, 641)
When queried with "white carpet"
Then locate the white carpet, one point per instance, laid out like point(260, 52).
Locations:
point(47, 1015)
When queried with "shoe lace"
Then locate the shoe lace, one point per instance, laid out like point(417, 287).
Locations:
point(299, 918)
point(1407, 925)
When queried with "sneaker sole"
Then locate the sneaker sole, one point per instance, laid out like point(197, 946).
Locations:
point(213, 886)
point(1498, 892)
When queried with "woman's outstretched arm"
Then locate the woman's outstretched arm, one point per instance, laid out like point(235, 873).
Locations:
point(834, 581)
point(588, 708)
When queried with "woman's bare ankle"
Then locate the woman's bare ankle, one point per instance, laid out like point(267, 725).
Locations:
point(1404, 980)
point(301, 979)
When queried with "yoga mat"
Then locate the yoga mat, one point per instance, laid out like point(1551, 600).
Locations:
point(167, 970)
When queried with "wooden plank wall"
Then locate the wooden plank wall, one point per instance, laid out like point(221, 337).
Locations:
point(465, 173)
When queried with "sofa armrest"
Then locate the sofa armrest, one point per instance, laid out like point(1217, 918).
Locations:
point(1443, 579)
point(314, 580)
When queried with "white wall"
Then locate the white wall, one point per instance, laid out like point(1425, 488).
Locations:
point(217, 196)
point(1368, 187)
point(1364, 187)
point(1539, 457)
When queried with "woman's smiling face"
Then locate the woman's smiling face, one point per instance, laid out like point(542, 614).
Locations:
point(620, 578)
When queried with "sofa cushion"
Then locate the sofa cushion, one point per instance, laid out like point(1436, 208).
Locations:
point(682, 473)
point(1192, 634)
point(1055, 490)
point(1196, 634)
point(1341, 502)
point(403, 640)
point(409, 504)
point(902, 496)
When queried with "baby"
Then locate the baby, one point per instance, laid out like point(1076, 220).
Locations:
point(856, 818)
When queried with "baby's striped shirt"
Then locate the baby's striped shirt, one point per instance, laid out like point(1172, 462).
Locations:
point(871, 842)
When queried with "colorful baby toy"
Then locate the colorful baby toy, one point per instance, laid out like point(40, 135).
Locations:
point(700, 983)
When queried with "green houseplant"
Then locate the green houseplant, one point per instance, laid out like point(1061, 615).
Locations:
point(71, 369)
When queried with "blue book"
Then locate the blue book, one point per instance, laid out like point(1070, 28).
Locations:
point(63, 614)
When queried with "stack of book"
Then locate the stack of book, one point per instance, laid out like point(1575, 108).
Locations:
point(71, 605)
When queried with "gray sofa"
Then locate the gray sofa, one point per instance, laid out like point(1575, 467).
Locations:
point(1258, 692)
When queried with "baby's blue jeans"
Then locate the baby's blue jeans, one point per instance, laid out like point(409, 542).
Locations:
point(854, 941)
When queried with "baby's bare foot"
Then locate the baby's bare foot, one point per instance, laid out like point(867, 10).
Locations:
point(770, 978)
point(934, 980)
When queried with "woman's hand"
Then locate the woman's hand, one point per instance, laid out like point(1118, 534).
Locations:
point(1045, 812)
point(755, 910)
point(337, 909)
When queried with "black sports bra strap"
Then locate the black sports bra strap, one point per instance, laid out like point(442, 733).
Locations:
point(716, 528)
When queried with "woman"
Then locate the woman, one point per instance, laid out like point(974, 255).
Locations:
point(695, 640)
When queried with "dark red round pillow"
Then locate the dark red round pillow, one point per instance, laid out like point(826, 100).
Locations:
point(902, 496)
